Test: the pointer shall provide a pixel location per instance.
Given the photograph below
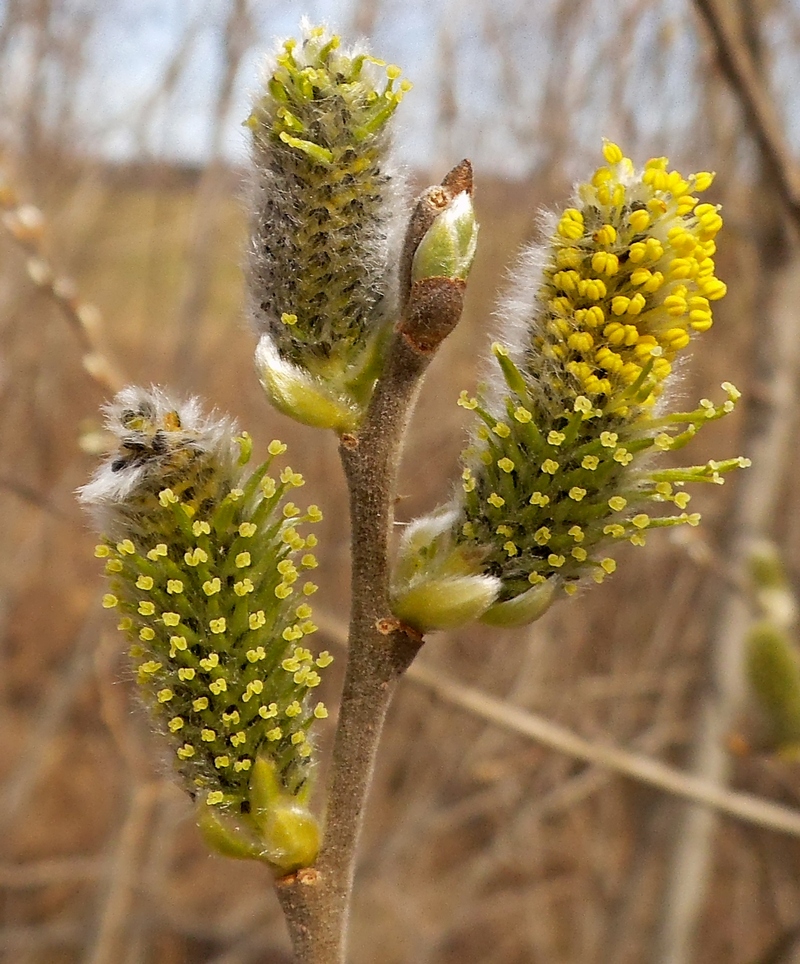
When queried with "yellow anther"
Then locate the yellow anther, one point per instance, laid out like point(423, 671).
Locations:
point(569, 257)
point(580, 341)
point(605, 262)
point(608, 360)
point(611, 152)
point(639, 220)
point(571, 224)
point(605, 235)
point(592, 288)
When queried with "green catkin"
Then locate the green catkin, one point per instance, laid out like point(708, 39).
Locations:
point(205, 568)
point(328, 215)
point(772, 667)
point(559, 467)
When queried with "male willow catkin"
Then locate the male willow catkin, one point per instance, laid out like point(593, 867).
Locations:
point(327, 222)
point(204, 562)
point(559, 466)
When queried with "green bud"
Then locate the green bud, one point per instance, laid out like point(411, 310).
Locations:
point(289, 833)
point(448, 248)
point(439, 248)
point(435, 585)
point(445, 603)
point(522, 609)
point(228, 836)
point(301, 395)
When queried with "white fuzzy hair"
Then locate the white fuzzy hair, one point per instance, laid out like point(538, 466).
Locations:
point(111, 488)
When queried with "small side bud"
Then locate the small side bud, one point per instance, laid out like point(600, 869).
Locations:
point(433, 311)
point(448, 248)
point(438, 254)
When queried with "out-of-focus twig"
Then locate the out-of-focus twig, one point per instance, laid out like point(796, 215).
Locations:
point(44, 873)
point(28, 494)
point(741, 806)
point(767, 440)
point(737, 64)
point(120, 887)
point(26, 224)
point(40, 746)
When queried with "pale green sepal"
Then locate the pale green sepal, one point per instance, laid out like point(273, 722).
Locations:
point(300, 395)
point(418, 546)
point(522, 609)
point(447, 602)
point(447, 249)
point(227, 837)
point(358, 380)
point(290, 834)
point(292, 838)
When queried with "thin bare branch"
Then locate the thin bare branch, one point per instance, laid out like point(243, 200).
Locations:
point(741, 806)
point(737, 63)
point(26, 226)
point(126, 864)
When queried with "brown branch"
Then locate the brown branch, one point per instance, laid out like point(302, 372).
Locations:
point(316, 901)
point(741, 806)
point(737, 64)
point(26, 226)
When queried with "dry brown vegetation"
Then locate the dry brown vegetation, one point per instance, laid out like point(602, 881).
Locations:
point(480, 846)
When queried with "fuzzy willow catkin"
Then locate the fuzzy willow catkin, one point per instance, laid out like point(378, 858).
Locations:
point(560, 463)
point(205, 562)
point(326, 226)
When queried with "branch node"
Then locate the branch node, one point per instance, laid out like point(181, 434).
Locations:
point(306, 877)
